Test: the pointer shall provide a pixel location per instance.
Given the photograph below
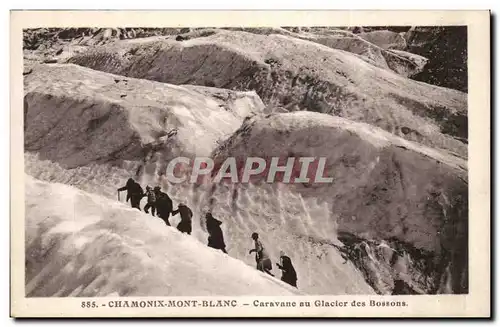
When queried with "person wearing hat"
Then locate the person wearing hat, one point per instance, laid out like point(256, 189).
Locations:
point(263, 262)
point(185, 226)
point(288, 274)
point(151, 197)
point(163, 205)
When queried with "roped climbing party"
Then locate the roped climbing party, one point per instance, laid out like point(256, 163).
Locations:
point(161, 204)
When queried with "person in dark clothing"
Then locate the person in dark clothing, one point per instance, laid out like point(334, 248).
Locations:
point(288, 275)
point(163, 205)
point(151, 196)
point(215, 238)
point(186, 214)
point(263, 262)
point(134, 193)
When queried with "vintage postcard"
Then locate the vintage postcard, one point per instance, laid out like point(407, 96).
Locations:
point(250, 164)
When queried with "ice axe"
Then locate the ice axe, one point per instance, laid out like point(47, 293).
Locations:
point(118, 195)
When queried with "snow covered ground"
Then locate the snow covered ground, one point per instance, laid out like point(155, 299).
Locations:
point(320, 267)
point(80, 244)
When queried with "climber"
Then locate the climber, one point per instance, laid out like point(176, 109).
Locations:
point(215, 238)
point(163, 205)
point(263, 262)
point(151, 196)
point(288, 275)
point(186, 214)
point(134, 193)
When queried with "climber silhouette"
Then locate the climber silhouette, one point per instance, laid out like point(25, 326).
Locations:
point(134, 193)
point(215, 238)
point(263, 262)
point(151, 196)
point(186, 215)
point(288, 275)
point(163, 205)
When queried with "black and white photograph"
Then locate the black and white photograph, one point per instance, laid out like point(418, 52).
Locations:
point(283, 161)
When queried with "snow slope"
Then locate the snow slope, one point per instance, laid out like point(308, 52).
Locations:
point(379, 55)
point(297, 75)
point(384, 188)
point(446, 49)
point(402, 206)
point(80, 244)
point(57, 129)
point(397, 210)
